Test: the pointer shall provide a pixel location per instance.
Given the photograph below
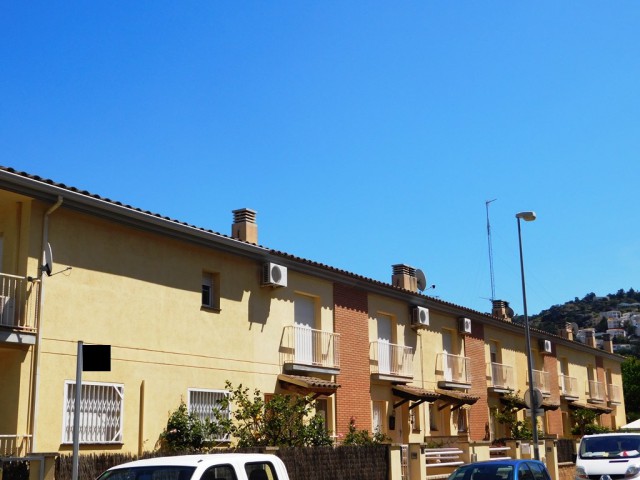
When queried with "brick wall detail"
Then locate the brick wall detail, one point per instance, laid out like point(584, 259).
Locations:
point(351, 321)
point(479, 412)
point(554, 417)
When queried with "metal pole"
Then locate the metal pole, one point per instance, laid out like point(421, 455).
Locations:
point(527, 336)
point(76, 414)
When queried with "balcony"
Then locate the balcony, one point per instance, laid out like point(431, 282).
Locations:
point(569, 387)
point(391, 362)
point(596, 391)
point(15, 445)
point(615, 394)
point(452, 371)
point(18, 309)
point(304, 350)
point(502, 379)
point(542, 381)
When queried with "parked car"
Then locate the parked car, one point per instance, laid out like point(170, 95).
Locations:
point(502, 470)
point(222, 466)
point(614, 454)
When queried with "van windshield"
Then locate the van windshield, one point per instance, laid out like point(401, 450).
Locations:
point(610, 446)
point(160, 472)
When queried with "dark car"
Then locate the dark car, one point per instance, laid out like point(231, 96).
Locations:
point(502, 470)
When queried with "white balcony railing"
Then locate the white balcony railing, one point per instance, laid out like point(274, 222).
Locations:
point(502, 375)
point(390, 359)
point(15, 445)
point(596, 391)
point(452, 368)
point(615, 394)
point(541, 381)
point(306, 346)
point(569, 386)
point(18, 302)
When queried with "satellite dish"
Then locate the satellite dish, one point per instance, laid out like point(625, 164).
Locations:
point(574, 328)
point(48, 260)
point(422, 280)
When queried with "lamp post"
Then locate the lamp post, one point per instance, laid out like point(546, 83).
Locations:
point(528, 217)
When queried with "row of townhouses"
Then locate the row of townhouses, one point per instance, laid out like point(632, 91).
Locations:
point(185, 309)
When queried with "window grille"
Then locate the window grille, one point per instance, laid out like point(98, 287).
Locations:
point(202, 403)
point(101, 408)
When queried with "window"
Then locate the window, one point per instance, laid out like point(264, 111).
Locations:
point(462, 420)
point(101, 407)
point(203, 402)
point(219, 472)
point(260, 471)
point(378, 416)
point(210, 290)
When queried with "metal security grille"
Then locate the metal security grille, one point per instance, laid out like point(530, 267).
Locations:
point(101, 408)
point(203, 402)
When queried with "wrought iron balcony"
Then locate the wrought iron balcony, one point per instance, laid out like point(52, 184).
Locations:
point(18, 307)
point(15, 445)
point(452, 371)
point(502, 378)
point(305, 350)
point(596, 391)
point(615, 394)
point(569, 387)
point(542, 381)
point(391, 362)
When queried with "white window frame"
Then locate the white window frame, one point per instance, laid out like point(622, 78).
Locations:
point(101, 413)
point(201, 410)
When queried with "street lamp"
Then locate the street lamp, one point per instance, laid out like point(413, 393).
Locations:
point(528, 217)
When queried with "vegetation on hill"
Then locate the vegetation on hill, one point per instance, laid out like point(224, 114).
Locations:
point(584, 312)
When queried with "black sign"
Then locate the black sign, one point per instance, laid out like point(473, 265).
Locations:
point(96, 358)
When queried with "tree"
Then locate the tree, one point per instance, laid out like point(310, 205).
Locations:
point(362, 437)
point(185, 432)
point(631, 381)
point(284, 420)
point(584, 422)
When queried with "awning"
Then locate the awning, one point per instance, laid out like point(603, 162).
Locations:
point(591, 406)
point(413, 394)
point(302, 385)
point(455, 398)
point(520, 403)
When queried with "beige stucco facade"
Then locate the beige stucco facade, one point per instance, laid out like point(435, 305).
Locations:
point(135, 281)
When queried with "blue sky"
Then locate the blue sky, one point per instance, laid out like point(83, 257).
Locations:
point(364, 133)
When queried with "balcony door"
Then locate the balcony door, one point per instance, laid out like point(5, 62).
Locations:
point(447, 348)
point(384, 344)
point(304, 312)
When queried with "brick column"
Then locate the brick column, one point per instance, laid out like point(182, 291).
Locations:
point(554, 417)
point(479, 413)
point(605, 418)
point(351, 321)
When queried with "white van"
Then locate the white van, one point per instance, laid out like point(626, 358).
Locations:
point(614, 455)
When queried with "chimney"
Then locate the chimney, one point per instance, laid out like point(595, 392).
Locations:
point(567, 332)
point(590, 337)
point(244, 225)
point(502, 310)
point(607, 343)
point(404, 276)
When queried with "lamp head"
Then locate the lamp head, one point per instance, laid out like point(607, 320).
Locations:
point(526, 216)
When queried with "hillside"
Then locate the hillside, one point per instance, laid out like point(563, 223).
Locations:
point(585, 312)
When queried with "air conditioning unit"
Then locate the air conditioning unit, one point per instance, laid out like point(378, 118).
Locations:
point(274, 275)
point(465, 325)
point(420, 317)
point(545, 346)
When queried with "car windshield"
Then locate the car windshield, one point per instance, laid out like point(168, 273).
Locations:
point(159, 472)
point(610, 446)
point(483, 472)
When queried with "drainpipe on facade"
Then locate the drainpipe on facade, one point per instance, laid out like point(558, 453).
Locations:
point(36, 349)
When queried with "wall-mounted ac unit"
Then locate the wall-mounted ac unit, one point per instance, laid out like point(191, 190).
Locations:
point(464, 325)
point(274, 275)
point(545, 346)
point(420, 317)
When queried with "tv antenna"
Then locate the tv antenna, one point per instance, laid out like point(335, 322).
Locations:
point(493, 283)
